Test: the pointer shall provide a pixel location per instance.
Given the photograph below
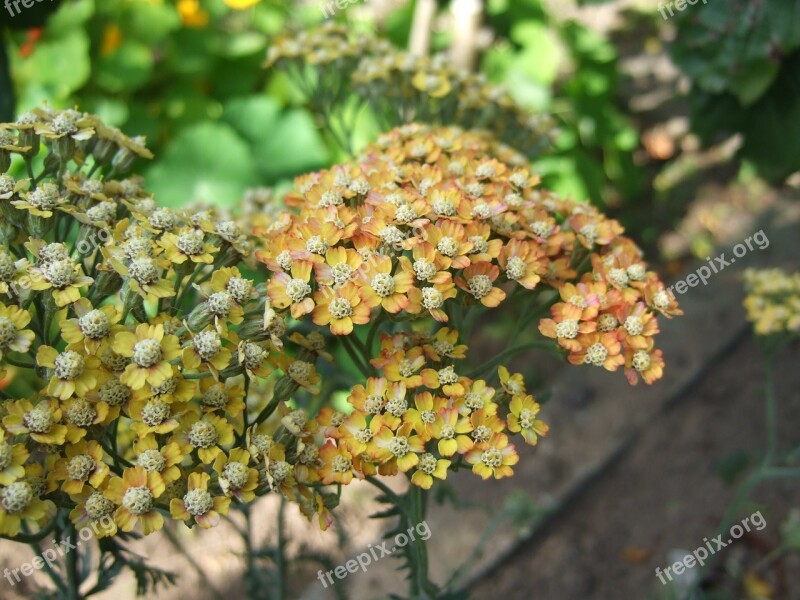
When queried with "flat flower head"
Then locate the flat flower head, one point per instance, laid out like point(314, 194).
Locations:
point(150, 351)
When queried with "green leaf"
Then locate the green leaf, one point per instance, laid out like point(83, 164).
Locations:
point(207, 162)
point(127, 68)
point(285, 142)
point(149, 22)
point(58, 67)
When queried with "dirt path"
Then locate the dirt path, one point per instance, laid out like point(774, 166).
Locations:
point(666, 493)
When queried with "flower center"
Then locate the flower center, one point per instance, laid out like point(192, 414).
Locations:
point(479, 286)
point(138, 500)
point(152, 460)
point(427, 463)
point(515, 268)
point(641, 360)
point(634, 325)
point(316, 245)
point(447, 246)
point(340, 308)
point(297, 289)
point(424, 270)
point(94, 324)
point(567, 329)
point(596, 354)
point(147, 353)
point(81, 413)
point(198, 502)
point(492, 458)
point(16, 497)
point(39, 419)
point(236, 473)
point(98, 506)
point(207, 344)
point(155, 412)
point(61, 273)
point(399, 446)
point(342, 464)
point(8, 332)
point(80, 467)
point(383, 284)
point(203, 435)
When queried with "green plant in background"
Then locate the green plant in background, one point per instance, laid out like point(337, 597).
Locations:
point(743, 59)
point(593, 156)
point(185, 74)
point(773, 309)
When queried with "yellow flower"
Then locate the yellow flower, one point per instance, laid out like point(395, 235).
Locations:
point(83, 464)
point(428, 468)
point(93, 329)
point(63, 277)
point(199, 504)
point(241, 4)
point(164, 461)
point(41, 422)
point(206, 434)
point(12, 459)
point(236, 477)
point(135, 494)
point(522, 418)
point(493, 458)
point(150, 351)
point(18, 502)
point(94, 510)
point(192, 14)
point(13, 335)
point(206, 353)
point(189, 244)
point(72, 373)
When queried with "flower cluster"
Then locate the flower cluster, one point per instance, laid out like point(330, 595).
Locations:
point(434, 221)
point(773, 301)
point(419, 416)
point(402, 87)
point(129, 339)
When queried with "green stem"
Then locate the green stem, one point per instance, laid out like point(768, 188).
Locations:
point(772, 414)
point(72, 566)
point(19, 363)
point(347, 344)
point(542, 345)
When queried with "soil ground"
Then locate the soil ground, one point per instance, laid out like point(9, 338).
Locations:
point(666, 493)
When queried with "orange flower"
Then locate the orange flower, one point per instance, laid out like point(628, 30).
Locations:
point(478, 280)
point(384, 289)
point(136, 493)
point(341, 308)
point(493, 458)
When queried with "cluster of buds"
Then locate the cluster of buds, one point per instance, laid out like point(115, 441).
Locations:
point(403, 87)
point(419, 416)
point(432, 222)
point(773, 302)
point(129, 339)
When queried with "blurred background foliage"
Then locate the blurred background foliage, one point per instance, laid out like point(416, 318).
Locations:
point(189, 74)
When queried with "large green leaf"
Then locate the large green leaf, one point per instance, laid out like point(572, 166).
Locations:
point(57, 67)
point(208, 162)
point(285, 142)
